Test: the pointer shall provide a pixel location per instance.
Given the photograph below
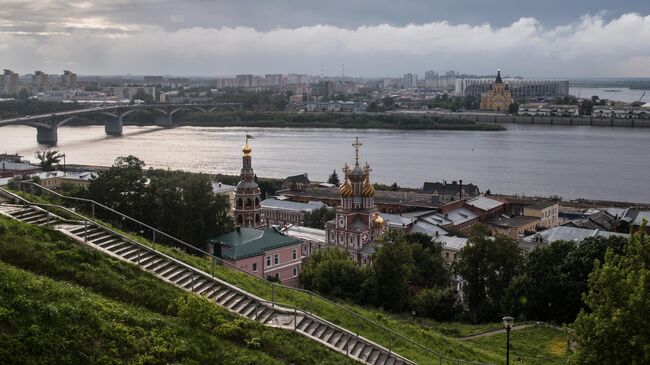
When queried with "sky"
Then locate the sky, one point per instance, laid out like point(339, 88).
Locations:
point(368, 38)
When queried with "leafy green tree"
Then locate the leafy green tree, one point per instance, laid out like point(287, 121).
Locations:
point(487, 265)
point(513, 108)
point(23, 94)
point(141, 95)
point(615, 328)
point(555, 278)
point(391, 271)
point(48, 158)
point(331, 272)
point(334, 178)
point(586, 107)
point(438, 304)
point(318, 217)
point(429, 268)
point(394, 187)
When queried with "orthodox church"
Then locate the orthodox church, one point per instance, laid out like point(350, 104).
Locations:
point(357, 223)
point(498, 97)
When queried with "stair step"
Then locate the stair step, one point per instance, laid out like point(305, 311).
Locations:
point(376, 357)
point(231, 300)
point(249, 309)
point(160, 266)
point(312, 327)
point(123, 249)
point(133, 254)
point(268, 312)
point(205, 285)
point(339, 342)
point(227, 295)
point(364, 354)
point(106, 240)
point(390, 360)
point(180, 276)
point(169, 269)
point(357, 346)
point(327, 334)
point(239, 306)
point(148, 259)
point(381, 358)
point(334, 338)
point(212, 292)
point(186, 283)
point(116, 246)
point(174, 273)
point(304, 322)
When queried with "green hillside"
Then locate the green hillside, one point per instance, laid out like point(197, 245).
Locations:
point(531, 346)
point(61, 303)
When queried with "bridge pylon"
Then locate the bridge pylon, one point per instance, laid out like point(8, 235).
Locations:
point(47, 135)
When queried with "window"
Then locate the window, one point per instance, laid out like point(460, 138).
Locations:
point(254, 266)
point(295, 271)
point(268, 261)
point(293, 254)
point(276, 259)
point(447, 255)
point(277, 275)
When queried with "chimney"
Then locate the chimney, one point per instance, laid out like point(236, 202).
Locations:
point(460, 190)
point(437, 233)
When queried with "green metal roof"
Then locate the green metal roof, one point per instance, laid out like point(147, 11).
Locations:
point(248, 242)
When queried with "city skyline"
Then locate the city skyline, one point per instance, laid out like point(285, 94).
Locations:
point(100, 38)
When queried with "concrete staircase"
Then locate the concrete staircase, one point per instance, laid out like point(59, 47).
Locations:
point(221, 293)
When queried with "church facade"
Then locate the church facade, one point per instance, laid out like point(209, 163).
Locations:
point(357, 222)
point(498, 97)
point(247, 210)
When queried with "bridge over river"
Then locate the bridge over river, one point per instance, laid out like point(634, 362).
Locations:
point(47, 125)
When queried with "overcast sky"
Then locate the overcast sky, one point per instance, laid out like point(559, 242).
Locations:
point(551, 38)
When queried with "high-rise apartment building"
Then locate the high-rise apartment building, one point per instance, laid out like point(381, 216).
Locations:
point(68, 80)
point(410, 81)
point(9, 83)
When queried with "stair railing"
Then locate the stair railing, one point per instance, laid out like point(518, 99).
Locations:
point(393, 338)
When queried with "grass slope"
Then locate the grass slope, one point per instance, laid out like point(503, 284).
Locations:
point(62, 303)
point(439, 337)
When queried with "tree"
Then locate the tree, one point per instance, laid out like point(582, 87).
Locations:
point(141, 95)
point(331, 272)
point(487, 265)
point(394, 187)
point(513, 108)
point(586, 107)
point(615, 328)
point(48, 158)
point(318, 217)
point(23, 94)
point(392, 268)
point(334, 178)
point(438, 304)
point(429, 268)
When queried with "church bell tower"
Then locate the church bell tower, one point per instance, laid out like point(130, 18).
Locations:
point(247, 210)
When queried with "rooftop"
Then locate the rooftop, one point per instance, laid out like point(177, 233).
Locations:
point(452, 243)
point(220, 188)
point(305, 233)
point(291, 206)
point(541, 205)
point(514, 222)
point(564, 233)
point(397, 221)
point(422, 226)
point(249, 242)
point(484, 203)
point(458, 216)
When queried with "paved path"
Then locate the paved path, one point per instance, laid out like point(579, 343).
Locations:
point(494, 332)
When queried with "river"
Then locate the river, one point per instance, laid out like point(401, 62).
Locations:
point(612, 93)
point(572, 162)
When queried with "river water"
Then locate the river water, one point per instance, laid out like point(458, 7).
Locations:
point(572, 162)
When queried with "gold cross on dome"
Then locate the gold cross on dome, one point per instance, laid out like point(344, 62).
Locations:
point(356, 146)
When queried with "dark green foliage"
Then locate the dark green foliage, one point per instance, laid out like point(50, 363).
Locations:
point(15, 108)
point(555, 278)
point(334, 178)
point(392, 269)
point(334, 120)
point(513, 108)
point(615, 326)
point(437, 304)
point(61, 303)
point(488, 264)
point(180, 203)
point(331, 272)
point(429, 266)
point(318, 217)
point(48, 158)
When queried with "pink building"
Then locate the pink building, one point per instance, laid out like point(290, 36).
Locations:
point(264, 253)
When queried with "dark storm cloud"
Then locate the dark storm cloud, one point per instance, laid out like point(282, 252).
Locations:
point(373, 38)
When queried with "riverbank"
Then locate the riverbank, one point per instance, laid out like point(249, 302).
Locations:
point(247, 119)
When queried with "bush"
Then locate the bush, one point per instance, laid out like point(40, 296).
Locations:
point(437, 304)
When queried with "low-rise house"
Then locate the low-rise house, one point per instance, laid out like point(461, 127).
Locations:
point(266, 253)
point(621, 111)
point(296, 183)
point(460, 218)
point(277, 212)
point(548, 110)
point(451, 246)
point(220, 188)
point(513, 227)
point(563, 233)
point(485, 207)
point(446, 192)
point(547, 212)
point(56, 179)
point(336, 106)
point(313, 238)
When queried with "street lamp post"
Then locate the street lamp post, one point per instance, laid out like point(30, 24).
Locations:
point(507, 323)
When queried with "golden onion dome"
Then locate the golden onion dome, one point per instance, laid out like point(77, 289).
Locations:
point(378, 221)
point(346, 189)
point(368, 190)
point(247, 149)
